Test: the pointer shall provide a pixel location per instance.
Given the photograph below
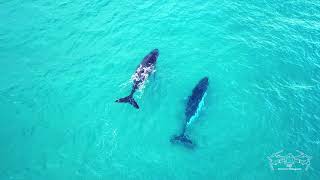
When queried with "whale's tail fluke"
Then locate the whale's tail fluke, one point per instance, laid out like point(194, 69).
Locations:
point(129, 99)
point(182, 138)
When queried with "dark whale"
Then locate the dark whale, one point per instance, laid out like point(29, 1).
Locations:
point(193, 107)
point(145, 68)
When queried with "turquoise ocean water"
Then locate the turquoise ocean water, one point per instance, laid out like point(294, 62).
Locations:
point(64, 63)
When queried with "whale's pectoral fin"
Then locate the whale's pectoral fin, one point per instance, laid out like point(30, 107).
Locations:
point(184, 100)
point(129, 99)
point(154, 74)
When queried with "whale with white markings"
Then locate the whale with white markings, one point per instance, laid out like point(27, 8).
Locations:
point(145, 68)
point(193, 108)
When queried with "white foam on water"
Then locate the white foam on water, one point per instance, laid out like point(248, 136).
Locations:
point(125, 84)
point(143, 77)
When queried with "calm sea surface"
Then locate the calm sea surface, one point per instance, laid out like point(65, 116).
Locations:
point(64, 63)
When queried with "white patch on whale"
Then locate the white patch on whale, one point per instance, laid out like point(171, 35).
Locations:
point(142, 74)
point(201, 104)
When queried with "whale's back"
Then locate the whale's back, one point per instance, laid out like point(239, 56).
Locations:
point(195, 101)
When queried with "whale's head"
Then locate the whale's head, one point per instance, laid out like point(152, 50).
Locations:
point(155, 52)
point(203, 84)
point(204, 81)
point(153, 56)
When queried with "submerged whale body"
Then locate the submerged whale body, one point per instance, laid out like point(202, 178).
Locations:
point(145, 68)
point(193, 107)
